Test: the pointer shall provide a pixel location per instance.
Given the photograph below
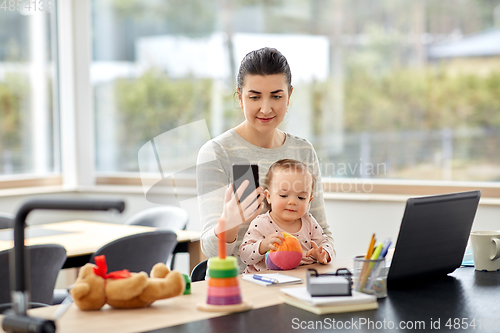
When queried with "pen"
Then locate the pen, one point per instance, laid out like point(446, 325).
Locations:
point(375, 267)
point(61, 309)
point(375, 256)
point(385, 248)
point(265, 279)
point(376, 253)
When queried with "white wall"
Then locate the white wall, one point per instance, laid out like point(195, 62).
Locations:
point(353, 222)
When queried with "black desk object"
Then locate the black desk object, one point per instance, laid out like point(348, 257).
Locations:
point(442, 223)
point(18, 320)
point(465, 293)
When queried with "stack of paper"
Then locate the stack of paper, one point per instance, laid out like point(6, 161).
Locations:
point(300, 298)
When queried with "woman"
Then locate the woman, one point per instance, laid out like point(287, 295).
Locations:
point(264, 90)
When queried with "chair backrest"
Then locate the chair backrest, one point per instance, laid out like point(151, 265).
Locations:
point(6, 221)
point(162, 217)
point(199, 271)
point(139, 252)
point(45, 263)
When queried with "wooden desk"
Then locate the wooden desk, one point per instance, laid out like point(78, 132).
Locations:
point(165, 313)
point(465, 293)
point(455, 303)
point(85, 237)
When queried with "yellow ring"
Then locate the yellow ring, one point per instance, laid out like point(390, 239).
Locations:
point(222, 264)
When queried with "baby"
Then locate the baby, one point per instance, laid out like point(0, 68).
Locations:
point(289, 185)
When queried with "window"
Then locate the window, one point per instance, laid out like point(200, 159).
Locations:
point(29, 136)
point(383, 89)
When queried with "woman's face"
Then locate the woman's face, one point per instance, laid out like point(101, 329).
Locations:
point(264, 100)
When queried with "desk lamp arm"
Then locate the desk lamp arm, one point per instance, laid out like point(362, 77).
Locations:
point(19, 294)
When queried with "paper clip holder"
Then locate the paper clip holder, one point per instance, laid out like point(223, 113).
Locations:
point(329, 284)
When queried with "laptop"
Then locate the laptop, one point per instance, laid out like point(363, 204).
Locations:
point(432, 237)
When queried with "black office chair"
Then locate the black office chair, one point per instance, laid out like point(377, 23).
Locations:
point(139, 252)
point(45, 263)
point(6, 221)
point(164, 218)
point(199, 271)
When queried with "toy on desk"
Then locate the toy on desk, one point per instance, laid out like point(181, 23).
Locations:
point(187, 290)
point(287, 256)
point(330, 284)
point(94, 287)
point(224, 294)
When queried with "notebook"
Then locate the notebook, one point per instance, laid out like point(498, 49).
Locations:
point(281, 278)
point(300, 298)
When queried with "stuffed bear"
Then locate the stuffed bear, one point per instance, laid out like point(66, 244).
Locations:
point(94, 287)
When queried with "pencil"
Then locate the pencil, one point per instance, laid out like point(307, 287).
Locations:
point(370, 248)
point(365, 264)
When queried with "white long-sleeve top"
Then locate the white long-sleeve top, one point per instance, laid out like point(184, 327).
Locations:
point(214, 173)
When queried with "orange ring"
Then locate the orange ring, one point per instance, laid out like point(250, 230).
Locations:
point(226, 282)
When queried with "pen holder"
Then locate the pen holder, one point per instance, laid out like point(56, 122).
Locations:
point(370, 276)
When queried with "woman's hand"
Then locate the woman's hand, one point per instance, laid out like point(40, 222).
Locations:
point(236, 213)
point(318, 253)
point(268, 243)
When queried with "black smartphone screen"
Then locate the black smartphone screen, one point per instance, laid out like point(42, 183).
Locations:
point(242, 172)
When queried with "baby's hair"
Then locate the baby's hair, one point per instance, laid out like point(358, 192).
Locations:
point(284, 165)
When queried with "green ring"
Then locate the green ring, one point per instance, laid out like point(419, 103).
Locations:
point(187, 291)
point(227, 273)
point(222, 264)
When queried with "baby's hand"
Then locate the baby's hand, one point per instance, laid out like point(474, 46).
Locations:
point(318, 253)
point(268, 243)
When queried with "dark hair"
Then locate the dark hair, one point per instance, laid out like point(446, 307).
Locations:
point(265, 61)
point(287, 164)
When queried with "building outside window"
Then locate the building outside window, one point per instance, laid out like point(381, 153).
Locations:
point(385, 90)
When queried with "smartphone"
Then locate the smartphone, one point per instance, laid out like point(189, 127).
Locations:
point(242, 172)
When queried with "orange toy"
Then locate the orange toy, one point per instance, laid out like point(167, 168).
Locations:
point(287, 256)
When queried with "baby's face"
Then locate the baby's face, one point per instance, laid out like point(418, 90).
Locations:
point(289, 194)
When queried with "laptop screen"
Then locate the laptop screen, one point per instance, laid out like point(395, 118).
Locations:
point(433, 236)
